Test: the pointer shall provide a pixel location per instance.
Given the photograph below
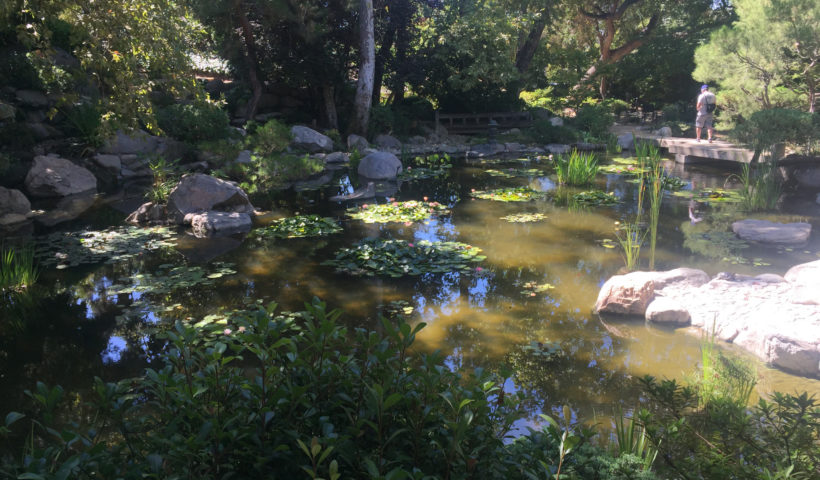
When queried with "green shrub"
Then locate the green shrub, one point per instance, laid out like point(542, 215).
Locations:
point(543, 131)
point(277, 171)
point(615, 105)
point(416, 108)
point(165, 179)
point(765, 128)
point(194, 122)
point(382, 119)
point(272, 137)
point(594, 119)
point(577, 168)
point(84, 122)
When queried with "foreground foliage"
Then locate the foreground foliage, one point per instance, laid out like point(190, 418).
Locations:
point(298, 226)
point(512, 194)
point(577, 168)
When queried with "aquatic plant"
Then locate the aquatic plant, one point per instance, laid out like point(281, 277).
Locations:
point(595, 198)
point(512, 194)
point(632, 439)
point(577, 168)
point(409, 211)
point(17, 268)
point(711, 195)
point(165, 178)
point(630, 237)
point(524, 217)
point(654, 179)
point(624, 166)
point(398, 258)
point(297, 227)
point(69, 249)
point(612, 145)
point(266, 172)
point(531, 289)
point(761, 188)
point(514, 172)
point(431, 166)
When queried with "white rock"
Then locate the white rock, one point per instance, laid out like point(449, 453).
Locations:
point(667, 311)
point(764, 231)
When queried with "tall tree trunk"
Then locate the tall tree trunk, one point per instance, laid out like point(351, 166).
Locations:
point(382, 57)
point(525, 54)
point(331, 117)
point(367, 61)
point(251, 59)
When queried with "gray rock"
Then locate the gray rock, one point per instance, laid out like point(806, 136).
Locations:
point(386, 141)
point(557, 122)
point(337, 157)
point(62, 58)
point(557, 148)
point(363, 193)
point(10, 219)
point(626, 141)
point(380, 166)
point(6, 111)
point(417, 140)
point(53, 176)
point(211, 223)
point(137, 142)
point(667, 311)
point(43, 131)
point(514, 147)
point(111, 163)
point(35, 116)
point(764, 231)
point(32, 98)
point(148, 214)
point(197, 193)
point(305, 138)
point(664, 132)
point(68, 208)
point(357, 142)
point(13, 201)
point(243, 157)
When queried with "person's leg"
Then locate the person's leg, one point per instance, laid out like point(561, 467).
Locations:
point(698, 126)
point(697, 133)
point(709, 128)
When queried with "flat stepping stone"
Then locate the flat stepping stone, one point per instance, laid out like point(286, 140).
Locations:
point(764, 231)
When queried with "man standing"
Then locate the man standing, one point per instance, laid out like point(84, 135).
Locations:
point(706, 106)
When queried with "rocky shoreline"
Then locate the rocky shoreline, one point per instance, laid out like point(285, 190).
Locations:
point(775, 318)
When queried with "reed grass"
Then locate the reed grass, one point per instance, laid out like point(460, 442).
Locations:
point(761, 187)
point(633, 440)
point(577, 168)
point(724, 378)
point(654, 180)
point(631, 238)
point(17, 268)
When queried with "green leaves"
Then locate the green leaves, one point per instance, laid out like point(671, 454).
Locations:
point(524, 217)
point(398, 258)
point(514, 172)
point(513, 194)
point(298, 226)
point(404, 212)
point(69, 249)
point(595, 198)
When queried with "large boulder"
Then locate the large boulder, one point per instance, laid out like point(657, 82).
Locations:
point(667, 311)
point(197, 193)
point(764, 231)
point(67, 208)
point(305, 138)
point(138, 142)
point(557, 122)
point(626, 141)
point(54, 176)
point(628, 294)
point(805, 280)
point(387, 141)
point(380, 166)
point(14, 207)
point(32, 98)
point(357, 142)
point(148, 213)
point(6, 111)
point(212, 223)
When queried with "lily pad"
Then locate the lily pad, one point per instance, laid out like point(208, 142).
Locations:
point(711, 195)
point(515, 194)
point(514, 172)
point(624, 166)
point(595, 198)
point(531, 289)
point(69, 249)
point(419, 173)
point(398, 258)
point(298, 227)
point(524, 217)
point(404, 212)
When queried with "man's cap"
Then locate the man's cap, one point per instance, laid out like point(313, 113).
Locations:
point(704, 87)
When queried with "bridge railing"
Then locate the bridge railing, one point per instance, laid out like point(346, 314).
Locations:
point(480, 122)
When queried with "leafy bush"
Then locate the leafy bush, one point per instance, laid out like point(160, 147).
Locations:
point(267, 172)
point(576, 168)
point(766, 128)
point(382, 119)
point(292, 394)
point(595, 119)
point(165, 179)
point(194, 122)
point(543, 131)
point(615, 105)
point(272, 137)
point(416, 108)
point(84, 122)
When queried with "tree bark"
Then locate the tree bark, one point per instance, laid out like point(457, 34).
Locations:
point(525, 54)
point(367, 60)
point(329, 97)
point(251, 59)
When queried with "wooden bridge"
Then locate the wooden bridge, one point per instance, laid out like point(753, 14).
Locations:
point(463, 123)
point(689, 150)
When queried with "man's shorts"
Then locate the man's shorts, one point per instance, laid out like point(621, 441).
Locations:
point(704, 120)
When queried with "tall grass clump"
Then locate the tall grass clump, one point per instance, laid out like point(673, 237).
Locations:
point(576, 168)
point(650, 156)
point(17, 268)
point(631, 237)
point(165, 179)
point(632, 439)
point(761, 188)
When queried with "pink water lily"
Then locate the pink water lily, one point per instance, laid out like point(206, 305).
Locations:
point(227, 331)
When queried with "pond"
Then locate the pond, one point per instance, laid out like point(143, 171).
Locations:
point(525, 310)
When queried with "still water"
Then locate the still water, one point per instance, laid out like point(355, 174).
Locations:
point(78, 323)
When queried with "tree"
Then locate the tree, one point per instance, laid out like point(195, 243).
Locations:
point(367, 63)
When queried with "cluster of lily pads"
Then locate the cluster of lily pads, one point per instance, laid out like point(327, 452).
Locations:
point(531, 289)
point(711, 195)
point(431, 166)
point(69, 249)
point(397, 258)
point(297, 227)
point(524, 217)
point(625, 166)
point(404, 212)
point(511, 194)
point(595, 198)
point(514, 172)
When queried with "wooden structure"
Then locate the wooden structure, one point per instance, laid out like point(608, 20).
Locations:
point(463, 123)
point(689, 150)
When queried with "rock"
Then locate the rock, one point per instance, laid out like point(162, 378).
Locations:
point(210, 223)
point(243, 157)
point(628, 294)
point(62, 58)
point(111, 163)
point(806, 176)
point(202, 250)
point(386, 141)
point(764, 231)
point(667, 311)
point(337, 157)
point(557, 122)
point(197, 193)
point(485, 150)
point(513, 147)
point(417, 140)
point(513, 131)
point(680, 277)
point(68, 208)
point(310, 140)
point(664, 132)
point(7, 112)
point(818, 199)
point(557, 148)
point(53, 176)
point(9, 219)
point(805, 279)
point(363, 193)
point(32, 98)
point(148, 213)
point(138, 142)
point(356, 142)
point(43, 131)
point(13, 201)
point(380, 166)
point(626, 141)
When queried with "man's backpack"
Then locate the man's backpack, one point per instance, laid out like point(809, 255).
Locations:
point(710, 107)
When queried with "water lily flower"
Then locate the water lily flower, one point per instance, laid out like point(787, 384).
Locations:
point(409, 244)
point(227, 331)
point(425, 199)
point(478, 269)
